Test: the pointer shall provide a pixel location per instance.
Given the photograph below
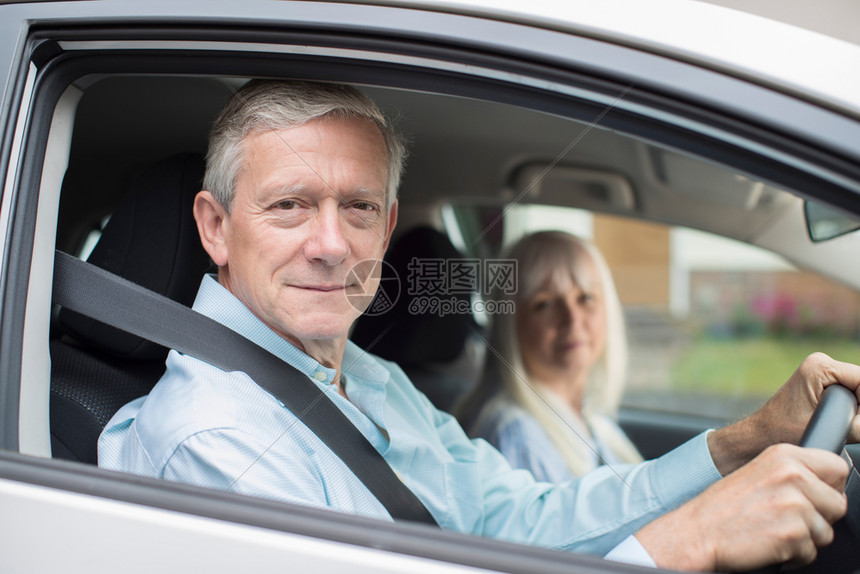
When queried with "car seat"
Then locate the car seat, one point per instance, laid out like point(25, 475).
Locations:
point(432, 348)
point(152, 240)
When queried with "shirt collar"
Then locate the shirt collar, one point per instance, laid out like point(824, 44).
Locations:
point(359, 363)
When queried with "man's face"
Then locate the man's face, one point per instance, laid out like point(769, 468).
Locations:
point(310, 203)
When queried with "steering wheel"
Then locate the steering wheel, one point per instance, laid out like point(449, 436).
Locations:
point(828, 429)
point(830, 423)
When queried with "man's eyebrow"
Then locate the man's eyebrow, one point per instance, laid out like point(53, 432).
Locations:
point(269, 195)
point(278, 190)
point(299, 188)
point(367, 192)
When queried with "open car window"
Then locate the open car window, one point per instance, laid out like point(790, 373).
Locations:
point(696, 197)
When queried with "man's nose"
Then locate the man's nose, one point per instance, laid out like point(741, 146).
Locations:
point(327, 243)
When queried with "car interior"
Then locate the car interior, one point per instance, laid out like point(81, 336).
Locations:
point(135, 163)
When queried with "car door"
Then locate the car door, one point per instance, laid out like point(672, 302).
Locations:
point(585, 71)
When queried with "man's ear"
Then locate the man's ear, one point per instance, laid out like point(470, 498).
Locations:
point(211, 219)
point(391, 223)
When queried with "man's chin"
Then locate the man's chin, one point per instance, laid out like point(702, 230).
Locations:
point(321, 327)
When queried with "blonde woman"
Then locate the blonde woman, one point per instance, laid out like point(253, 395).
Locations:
point(555, 369)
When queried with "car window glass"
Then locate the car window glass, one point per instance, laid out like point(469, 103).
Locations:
point(715, 325)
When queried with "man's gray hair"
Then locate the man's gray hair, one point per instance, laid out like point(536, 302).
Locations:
point(276, 105)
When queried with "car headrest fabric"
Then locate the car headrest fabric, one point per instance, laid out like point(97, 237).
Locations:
point(415, 338)
point(151, 240)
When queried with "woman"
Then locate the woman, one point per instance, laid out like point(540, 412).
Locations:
point(555, 369)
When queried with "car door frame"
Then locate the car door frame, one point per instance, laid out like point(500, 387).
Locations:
point(505, 61)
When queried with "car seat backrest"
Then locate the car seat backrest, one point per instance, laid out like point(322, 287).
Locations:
point(151, 240)
point(426, 344)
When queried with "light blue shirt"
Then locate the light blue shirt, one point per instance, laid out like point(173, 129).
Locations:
point(218, 429)
point(518, 435)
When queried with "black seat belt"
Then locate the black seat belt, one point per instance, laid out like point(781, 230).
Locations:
point(108, 298)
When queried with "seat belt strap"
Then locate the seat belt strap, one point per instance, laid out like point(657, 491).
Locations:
point(105, 297)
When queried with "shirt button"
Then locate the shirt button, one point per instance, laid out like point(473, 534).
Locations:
point(320, 376)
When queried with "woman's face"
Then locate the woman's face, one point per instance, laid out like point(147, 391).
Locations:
point(562, 329)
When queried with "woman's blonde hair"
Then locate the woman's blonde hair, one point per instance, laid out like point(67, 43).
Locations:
point(556, 256)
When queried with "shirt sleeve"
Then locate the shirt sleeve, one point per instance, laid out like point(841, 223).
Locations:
point(591, 514)
point(631, 552)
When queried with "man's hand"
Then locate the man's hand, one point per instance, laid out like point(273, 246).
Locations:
point(778, 508)
point(784, 417)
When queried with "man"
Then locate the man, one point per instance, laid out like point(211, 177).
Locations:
point(300, 189)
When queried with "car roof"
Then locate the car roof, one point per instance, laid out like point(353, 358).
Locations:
point(807, 64)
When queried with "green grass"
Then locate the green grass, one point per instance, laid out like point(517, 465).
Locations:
point(751, 367)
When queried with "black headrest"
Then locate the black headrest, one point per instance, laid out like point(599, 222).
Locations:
point(151, 240)
point(415, 338)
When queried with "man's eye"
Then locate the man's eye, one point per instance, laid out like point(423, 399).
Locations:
point(363, 206)
point(286, 204)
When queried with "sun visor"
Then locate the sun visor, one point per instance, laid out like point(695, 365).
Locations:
point(573, 186)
